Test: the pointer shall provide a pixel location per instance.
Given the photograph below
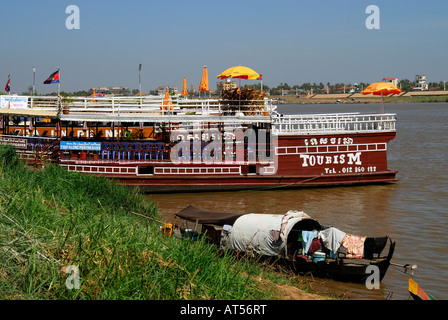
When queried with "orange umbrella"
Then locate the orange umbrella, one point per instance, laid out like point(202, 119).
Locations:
point(381, 89)
point(184, 90)
point(204, 81)
point(166, 103)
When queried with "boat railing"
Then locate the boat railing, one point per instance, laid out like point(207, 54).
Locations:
point(159, 151)
point(146, 105)
point(333, 123)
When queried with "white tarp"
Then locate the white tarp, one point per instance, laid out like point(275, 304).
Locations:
point(265, 234)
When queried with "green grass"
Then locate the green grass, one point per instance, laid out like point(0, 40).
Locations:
point(52, 219)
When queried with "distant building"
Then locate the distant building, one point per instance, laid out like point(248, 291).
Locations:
point(394, 81)
point(161, 90)
point(225, 86)
point(420, 80)
point(119, 91)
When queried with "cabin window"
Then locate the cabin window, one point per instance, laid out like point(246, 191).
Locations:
point(252, 169)
point(146, 170)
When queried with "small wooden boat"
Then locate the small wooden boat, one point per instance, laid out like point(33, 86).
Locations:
point(418, 293)
point(298, 239)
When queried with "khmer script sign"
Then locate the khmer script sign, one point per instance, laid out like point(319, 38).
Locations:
point(13, 102)
point(80, 145)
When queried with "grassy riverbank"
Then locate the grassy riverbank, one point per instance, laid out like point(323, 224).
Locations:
point(52, 219)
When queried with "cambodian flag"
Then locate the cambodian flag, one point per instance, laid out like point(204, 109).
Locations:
point(260, 77)
point(8, 84)
point(53, 78)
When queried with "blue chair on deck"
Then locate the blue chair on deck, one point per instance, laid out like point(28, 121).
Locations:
point(147, 151)
point(251, 153)
point(209, 154)
point(105, 150)
point(160, 150)
point(32, 144)
point(138, 151)
point(115, 151)
point(125, 151)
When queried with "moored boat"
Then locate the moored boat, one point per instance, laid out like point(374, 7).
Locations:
point(199, 144)
point(298, 239)
point(417, 293)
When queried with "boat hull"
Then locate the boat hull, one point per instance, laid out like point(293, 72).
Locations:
point(298, 162)
point(349, 272)
point(204, 184)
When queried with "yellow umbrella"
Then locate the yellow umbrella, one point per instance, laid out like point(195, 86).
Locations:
point(184, 90)
point(381, 89)
point(166, 103)
point(239, 72)
point(204, 81)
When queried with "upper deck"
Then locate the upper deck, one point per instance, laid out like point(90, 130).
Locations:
point(138, 109)
point(154, 109)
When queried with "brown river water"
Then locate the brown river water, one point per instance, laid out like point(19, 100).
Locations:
point(413, 211)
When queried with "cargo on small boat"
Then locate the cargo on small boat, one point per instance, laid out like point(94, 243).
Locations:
point(298, 239)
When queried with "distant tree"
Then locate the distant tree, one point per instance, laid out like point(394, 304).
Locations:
point(256, 86)
point(306, 86)
point(82, 93)
point(437, 85)
point(405, 84)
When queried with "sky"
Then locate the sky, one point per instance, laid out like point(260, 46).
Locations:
point(288, 41)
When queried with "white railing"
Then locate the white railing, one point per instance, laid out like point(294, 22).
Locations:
point(146, 105)
point(333, 123)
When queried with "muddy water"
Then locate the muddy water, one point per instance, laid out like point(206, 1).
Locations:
point(413, 211)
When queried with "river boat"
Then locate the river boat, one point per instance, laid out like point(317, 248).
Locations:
point(417, 293)
point(294, 237)
point(198, 144)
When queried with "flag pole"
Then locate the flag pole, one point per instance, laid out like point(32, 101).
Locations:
point(59, 82)
point(9, 91)
point(59, 92)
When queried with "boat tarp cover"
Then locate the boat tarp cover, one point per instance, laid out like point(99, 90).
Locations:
point(264, 234)
point(193, 213)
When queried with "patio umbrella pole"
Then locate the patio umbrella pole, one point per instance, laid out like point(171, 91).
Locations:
point(239, 95)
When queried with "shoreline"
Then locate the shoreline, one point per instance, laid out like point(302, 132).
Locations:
point(87, 223)
point(404, 97)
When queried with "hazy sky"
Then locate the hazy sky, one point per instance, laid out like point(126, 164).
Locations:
point(287, 41)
